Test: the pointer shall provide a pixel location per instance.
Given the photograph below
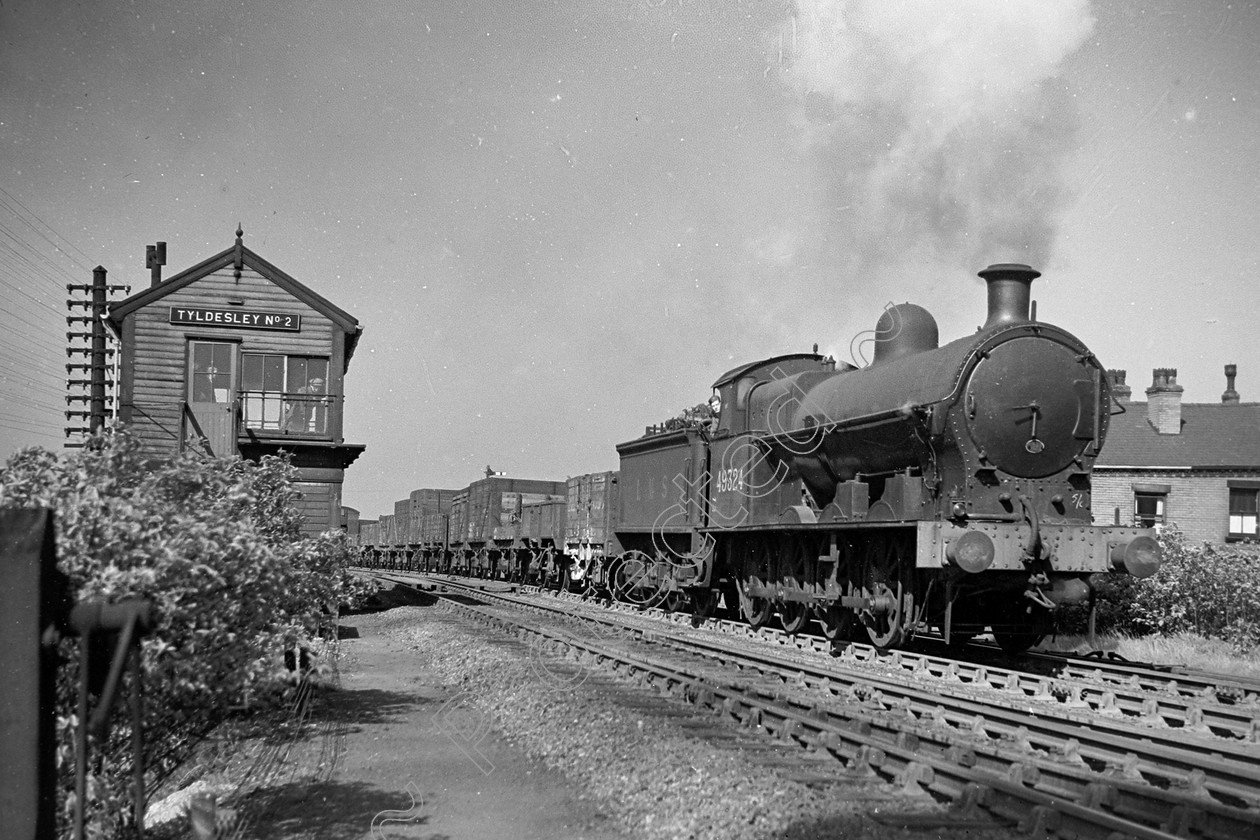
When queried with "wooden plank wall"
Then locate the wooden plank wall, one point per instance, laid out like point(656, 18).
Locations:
point(320, 504)
point(158, 363)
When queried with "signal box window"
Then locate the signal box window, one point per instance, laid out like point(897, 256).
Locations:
point(1148, 509)
point(284, 393)
point(211, 378)
point(1242, 514)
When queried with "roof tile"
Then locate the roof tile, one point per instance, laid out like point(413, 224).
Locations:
point(1212, 435)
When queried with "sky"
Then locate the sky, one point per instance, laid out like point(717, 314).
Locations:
point(559, 222)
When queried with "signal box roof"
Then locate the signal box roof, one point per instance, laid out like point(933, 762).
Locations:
point(241, 256)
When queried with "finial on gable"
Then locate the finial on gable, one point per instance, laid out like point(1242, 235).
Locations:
point(238, 263)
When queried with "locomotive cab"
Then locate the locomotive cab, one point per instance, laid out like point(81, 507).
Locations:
point(758, 397)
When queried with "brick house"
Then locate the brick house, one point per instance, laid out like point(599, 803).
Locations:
point(1195, 465)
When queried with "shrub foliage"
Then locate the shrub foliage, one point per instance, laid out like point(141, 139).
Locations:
point(1206, 589)
point(1209, 590)
point(216, 545)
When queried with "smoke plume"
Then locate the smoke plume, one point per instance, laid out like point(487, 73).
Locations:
point(939, 127)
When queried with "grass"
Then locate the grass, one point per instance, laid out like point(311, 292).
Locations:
point(1186, 649)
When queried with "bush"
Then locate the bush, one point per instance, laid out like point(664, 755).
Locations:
point(1208, 590)
point(216, 545)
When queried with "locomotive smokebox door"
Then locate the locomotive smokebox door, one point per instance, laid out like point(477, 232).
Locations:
point(1031, 406)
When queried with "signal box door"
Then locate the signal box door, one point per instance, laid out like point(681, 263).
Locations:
point(211, 415)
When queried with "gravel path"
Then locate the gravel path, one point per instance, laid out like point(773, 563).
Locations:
point(442, 729)
point(639, 753)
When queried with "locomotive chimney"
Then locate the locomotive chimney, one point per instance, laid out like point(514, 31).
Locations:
point(1230, 397)
point(1009, 292)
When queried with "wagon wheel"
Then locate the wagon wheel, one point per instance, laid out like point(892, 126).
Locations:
point(570, 584)
point(633, 581)
point(675, 601)
point(549, 571)
point(886, 583)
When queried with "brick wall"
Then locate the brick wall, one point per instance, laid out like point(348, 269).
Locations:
point(1197, 502)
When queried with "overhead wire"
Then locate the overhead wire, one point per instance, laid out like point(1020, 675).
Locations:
point(36, 265)
point(37, 262)
point(52, 361)
point(13, 199)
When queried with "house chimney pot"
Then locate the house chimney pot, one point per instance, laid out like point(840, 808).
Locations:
point(1120, 391)
point(1163, 402)
point(1230, 397)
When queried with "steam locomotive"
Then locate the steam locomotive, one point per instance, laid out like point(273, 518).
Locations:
point(939, 486)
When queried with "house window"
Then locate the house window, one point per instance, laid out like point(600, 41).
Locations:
point(1148, 509)
point(284, 393)
point(1242, 513)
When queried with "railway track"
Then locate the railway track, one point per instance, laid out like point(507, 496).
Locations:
point(1227, 706)
point(1174, 679)
point(1052, 764)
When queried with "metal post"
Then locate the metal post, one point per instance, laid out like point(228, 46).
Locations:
point(137, 739)
point(97, 377)
point(80, 739)
point(130, 620)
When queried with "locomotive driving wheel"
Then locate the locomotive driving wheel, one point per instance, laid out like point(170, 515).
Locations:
point(887, 583)
point(756, 611)
point(795, 614)
point(755, 570)
point(705, 602)
point(837, 621)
